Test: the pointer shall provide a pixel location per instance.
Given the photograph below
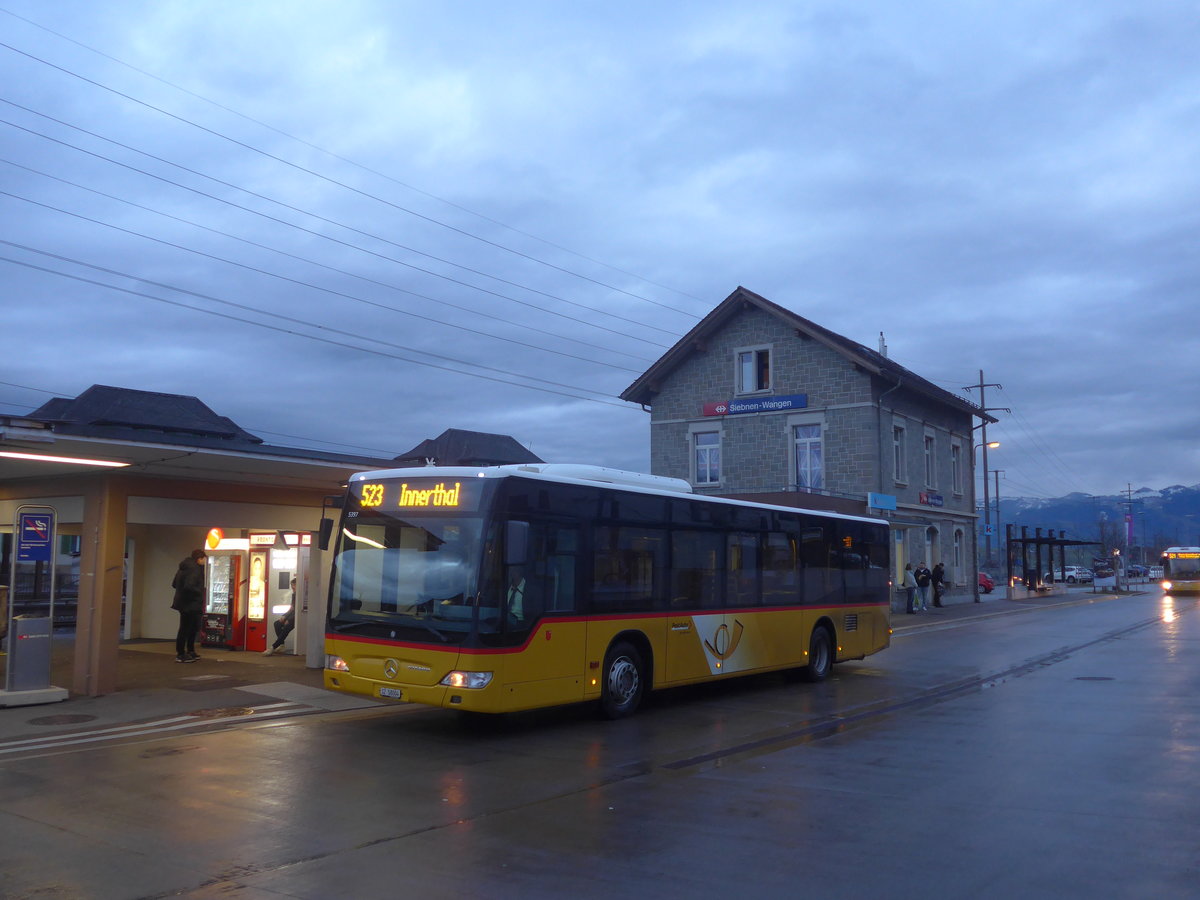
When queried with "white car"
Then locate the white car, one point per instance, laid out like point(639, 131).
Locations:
point(1071, 575)
point(1156, 573)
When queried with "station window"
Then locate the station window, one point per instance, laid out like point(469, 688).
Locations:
point(753, 370)
point(706, 452)
point(899, 470)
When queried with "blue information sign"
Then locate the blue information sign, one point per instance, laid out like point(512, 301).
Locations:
point(34, 533)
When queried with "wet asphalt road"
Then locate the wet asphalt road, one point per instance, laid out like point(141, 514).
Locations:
point(1050, 754)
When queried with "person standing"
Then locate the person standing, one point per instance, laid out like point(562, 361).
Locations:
point(924, 579)
point(939, 583)
point(189, 602)
point(910, 586)
point(284, 624)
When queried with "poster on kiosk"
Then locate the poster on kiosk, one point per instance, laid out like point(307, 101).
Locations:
point(256, 602)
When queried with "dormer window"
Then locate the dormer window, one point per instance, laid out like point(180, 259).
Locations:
point(753, 370)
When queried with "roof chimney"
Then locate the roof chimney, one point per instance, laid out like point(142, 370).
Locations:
point(882, 345)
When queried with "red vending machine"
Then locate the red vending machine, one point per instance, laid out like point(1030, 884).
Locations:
point(256, 601)
point(218, 626)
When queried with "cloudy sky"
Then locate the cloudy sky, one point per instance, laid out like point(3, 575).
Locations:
point(352, 225)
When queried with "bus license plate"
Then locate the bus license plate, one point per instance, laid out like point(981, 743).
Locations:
point(390, 693)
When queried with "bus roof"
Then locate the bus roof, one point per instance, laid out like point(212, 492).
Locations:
point(566, 473)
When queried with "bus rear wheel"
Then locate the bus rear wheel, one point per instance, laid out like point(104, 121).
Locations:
point(624, 681)
point(820, 656)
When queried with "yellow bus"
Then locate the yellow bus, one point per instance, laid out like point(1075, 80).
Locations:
point(1181, 570)
point(515, 587)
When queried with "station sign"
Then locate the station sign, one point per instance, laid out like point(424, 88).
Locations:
point(756, 405)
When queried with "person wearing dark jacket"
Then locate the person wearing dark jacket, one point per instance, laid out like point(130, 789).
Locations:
point(924, 580)
point(939, 583)
point(189, 601)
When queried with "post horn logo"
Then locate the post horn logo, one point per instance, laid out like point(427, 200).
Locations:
point(723, 644)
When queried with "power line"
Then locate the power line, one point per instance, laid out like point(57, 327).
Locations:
point(335, 182)
point(296, 281)
point(324, 236)
point(347, 160)
point(311, 337)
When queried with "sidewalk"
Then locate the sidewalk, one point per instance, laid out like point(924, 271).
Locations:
point(960, 604)
point(153, 689)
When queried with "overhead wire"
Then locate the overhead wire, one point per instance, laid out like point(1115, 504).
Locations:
point(317, 326)
point(345, 159)
point(286, 278)
point(324, 236)
point(337, 183)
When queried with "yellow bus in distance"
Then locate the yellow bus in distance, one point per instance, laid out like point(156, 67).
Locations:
point(1181, 570)
point(515, 587)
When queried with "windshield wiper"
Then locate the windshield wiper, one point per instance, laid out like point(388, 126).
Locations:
point(346, 626)
point(437, 634)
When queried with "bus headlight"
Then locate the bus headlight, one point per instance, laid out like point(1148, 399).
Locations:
point(475, 680)
point(336, 663)
point(1166, 585)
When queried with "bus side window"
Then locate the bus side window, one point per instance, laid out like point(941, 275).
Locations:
point(626, 567)
point(741, 570)
point(555, 551)
point(696, 563)
point(781, 584)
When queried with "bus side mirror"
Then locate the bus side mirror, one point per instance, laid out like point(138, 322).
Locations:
point(324, 534)
point(516, 543)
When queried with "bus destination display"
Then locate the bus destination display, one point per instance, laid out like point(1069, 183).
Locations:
point(435, 495)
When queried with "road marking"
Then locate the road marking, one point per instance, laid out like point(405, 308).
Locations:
point(154, 727)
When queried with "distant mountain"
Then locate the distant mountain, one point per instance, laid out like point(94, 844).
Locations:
point(1164, 518)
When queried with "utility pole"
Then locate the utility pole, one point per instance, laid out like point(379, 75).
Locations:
point(984, 408)
point(1128, 503)
point(998, 473)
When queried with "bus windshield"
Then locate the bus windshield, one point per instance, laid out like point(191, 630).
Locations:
point(411, 572)
point(1182, 566)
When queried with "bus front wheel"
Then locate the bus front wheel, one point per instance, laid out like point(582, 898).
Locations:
point(624, 682)
point(820, 656)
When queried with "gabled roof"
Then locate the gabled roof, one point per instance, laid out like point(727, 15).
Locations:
point(125, 414)
point(644, 389)
point(456, 447)
point(127, 417)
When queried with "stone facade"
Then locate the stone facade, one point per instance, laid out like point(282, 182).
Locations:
point(856, 397)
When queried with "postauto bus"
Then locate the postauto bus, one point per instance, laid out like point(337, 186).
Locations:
point(515, 587)
point(1181, 570)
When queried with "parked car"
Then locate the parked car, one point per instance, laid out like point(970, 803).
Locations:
point(986, 585)
point(1103, 571)
point(1156, 573)
point(1071, 575)
point(1136, 571)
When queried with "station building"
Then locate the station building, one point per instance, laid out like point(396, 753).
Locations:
point(139, 479)
point(760, 403)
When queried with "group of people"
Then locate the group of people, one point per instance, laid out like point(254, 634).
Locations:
point(189, 603)
point(920, 582)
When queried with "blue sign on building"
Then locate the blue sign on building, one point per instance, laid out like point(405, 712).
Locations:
point(757, 404)
point(881, 501)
